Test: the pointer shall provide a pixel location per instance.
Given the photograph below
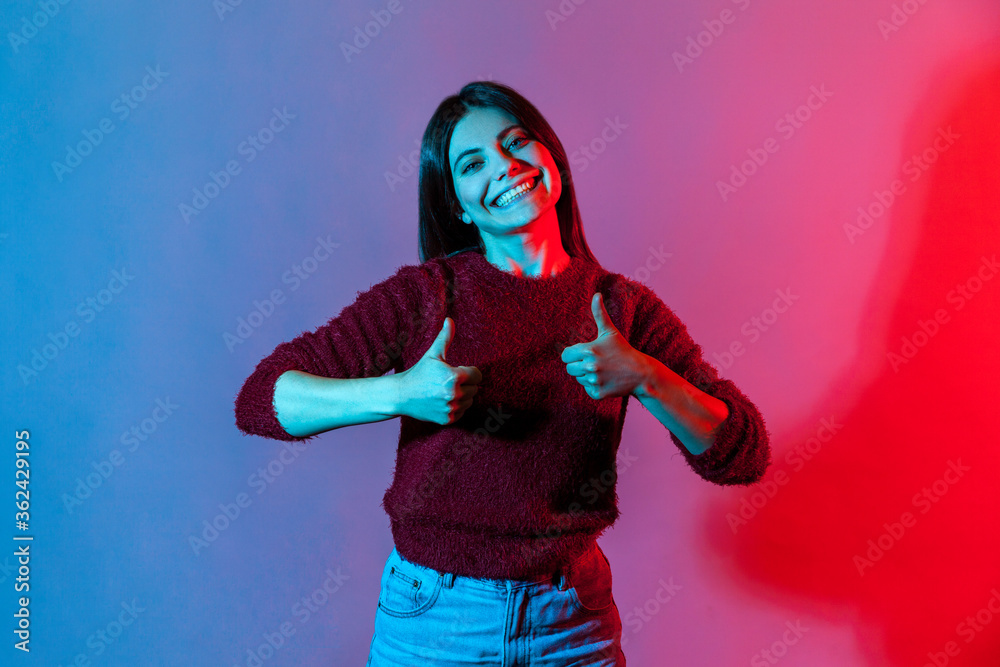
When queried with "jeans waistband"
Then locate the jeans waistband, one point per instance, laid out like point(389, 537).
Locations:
point(557, 576)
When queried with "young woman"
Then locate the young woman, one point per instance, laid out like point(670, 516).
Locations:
point(514, 355)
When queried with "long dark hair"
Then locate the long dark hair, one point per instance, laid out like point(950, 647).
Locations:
point(441, 231)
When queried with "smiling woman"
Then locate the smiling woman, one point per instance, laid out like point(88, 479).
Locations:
point(507, 184)
point(515, 353)
point(480, 145)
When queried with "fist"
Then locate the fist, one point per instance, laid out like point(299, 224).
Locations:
point(606, 366)
point(434, 391)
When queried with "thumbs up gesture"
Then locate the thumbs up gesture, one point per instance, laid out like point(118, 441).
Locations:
point(606, 366)
point(432, 390)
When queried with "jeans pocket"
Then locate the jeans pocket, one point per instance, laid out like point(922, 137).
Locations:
point(590, 582)
point(408, 591)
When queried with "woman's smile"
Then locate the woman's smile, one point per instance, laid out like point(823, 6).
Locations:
point(518, 193)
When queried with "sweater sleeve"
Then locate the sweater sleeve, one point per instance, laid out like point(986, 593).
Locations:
point(741, 452)
point(365, 340)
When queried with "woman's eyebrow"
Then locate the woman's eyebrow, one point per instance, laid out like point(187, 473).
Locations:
point(503, 133)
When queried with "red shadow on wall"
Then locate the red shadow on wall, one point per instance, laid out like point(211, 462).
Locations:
point(892, 521)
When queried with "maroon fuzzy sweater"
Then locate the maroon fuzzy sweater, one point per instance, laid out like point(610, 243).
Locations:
point(525, 480)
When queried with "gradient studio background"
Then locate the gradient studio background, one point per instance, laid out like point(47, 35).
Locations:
point(904, 128)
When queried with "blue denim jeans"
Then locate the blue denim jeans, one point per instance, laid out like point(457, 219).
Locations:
point(433, 618)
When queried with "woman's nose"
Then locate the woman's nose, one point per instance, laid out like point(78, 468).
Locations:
point(509, 167)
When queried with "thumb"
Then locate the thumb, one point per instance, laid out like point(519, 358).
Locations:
point(601, 317)
point(439, 348)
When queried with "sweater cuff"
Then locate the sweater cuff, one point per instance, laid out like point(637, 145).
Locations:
point(741, 451)
point(255, 411)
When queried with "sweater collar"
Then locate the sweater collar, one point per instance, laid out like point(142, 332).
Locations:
point(488, 270)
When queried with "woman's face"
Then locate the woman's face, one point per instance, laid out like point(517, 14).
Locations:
point(490, 155)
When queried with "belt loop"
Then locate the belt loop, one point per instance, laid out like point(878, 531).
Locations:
point(563, 578)
point(449, 579)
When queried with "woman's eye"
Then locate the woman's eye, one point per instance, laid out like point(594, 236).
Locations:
point(516, 143)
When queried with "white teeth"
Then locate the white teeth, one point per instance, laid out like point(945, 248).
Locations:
point(511, 195)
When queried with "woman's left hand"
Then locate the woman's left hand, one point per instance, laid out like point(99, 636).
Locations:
point(606, 366)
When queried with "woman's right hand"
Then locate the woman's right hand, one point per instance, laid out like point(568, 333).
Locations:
point(433, 391)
